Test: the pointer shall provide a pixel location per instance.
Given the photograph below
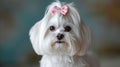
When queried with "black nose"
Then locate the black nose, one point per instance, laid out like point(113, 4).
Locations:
point(60, 36)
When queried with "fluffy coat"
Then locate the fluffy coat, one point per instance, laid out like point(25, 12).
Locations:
point(71, 51)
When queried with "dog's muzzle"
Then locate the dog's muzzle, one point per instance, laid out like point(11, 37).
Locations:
point(60, 37)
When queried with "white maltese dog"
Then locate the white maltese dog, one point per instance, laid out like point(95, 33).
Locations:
point(62, 38)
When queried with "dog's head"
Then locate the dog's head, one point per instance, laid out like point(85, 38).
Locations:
point(60, 32)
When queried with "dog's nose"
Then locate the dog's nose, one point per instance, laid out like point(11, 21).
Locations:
point(60, 36)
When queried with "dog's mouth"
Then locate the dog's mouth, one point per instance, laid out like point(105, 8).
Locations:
point(59, 44)
point(59, 41)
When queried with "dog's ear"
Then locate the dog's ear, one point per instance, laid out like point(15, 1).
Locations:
point(34, 36)
point(86, 39)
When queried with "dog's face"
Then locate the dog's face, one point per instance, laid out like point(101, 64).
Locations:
point(60, 35)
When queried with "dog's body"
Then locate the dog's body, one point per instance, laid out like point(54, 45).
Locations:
point(62, 38)
point(69, 61)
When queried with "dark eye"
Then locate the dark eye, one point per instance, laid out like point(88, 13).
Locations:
point(52, 28)
point(67, 28)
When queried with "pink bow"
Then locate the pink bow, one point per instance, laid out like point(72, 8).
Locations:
point(63, 10)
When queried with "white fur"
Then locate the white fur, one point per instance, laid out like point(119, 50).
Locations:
point(72, 52)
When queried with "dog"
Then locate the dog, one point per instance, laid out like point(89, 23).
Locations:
point(62, 38)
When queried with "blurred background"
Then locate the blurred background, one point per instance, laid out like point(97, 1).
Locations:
point(18, 16)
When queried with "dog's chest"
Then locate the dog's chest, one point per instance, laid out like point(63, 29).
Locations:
point(61, 61)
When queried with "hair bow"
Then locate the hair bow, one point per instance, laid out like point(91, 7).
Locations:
point(63, 10)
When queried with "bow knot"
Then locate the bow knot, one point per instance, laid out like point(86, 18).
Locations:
point(63, 10)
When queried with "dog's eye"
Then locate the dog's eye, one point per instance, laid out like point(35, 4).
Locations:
point(52, 28)
point(67, 28)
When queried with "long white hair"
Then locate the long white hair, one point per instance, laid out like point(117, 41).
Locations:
point(79, 40)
